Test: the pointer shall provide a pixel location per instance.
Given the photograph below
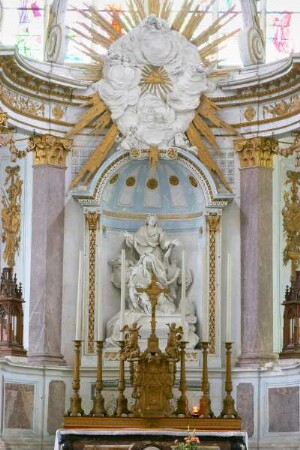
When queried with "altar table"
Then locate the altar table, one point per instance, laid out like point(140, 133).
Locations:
point(137, 439)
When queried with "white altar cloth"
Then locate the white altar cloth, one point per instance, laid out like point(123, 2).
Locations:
point(160, 432)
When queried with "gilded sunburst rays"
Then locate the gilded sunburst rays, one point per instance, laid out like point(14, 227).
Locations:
point(155, 80)
point(108, 28)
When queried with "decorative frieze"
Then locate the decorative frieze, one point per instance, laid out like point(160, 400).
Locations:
point(48, 149)
point(256, 152)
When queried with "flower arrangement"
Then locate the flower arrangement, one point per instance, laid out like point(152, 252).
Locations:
point(190, 442)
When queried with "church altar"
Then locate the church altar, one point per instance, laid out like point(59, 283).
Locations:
point(157, 438)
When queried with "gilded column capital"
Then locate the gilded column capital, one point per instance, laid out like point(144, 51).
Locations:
point(92, 219)
point(49, 149)
point(213, 221)
point(256, 152)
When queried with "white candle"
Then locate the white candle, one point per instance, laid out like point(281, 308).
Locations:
point(228, 299)
point(78, 327)
point(100, 334)
point(205, 303)
point(183, 289)
point(123, 291)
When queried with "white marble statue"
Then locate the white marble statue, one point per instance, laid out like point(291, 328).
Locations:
point(150, 250)
point(152, 82)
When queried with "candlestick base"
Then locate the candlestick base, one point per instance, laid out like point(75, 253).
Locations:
point(98, 409)
point(183, 406)
point(75, 407)
point(205, 410)
point(228, 410)
point(121, 407)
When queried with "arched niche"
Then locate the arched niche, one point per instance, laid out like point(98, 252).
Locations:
point(180, 191)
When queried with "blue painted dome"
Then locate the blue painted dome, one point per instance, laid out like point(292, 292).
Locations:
point(169, 189)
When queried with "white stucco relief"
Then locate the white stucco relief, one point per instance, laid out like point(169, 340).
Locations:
point(152, 82)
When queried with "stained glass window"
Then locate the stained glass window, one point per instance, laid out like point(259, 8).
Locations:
point(282, 24)
point(23, 25)
point(25, 21)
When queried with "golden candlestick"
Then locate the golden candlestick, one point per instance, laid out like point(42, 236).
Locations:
point(75, 401)
point(98, 409)
point(121, 407)
point(205, 402)
point(228, 402)
point(182, 402)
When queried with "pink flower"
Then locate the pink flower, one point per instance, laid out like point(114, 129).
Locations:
point(176, 442)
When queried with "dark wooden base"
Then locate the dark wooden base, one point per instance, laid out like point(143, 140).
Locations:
point(144, 423)
point(12, 350)
point(287, 354)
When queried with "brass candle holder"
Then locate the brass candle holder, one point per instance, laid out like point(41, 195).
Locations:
point(228, 410)
point(182, 402)
point(121, 407)
point(75, 401)
point(98, 409)
point(205, 402)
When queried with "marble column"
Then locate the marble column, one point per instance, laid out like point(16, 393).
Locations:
point(47, 248)
point(256, 161)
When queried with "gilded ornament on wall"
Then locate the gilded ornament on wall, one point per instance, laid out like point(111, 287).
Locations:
point(249, 113)
point(11, 214)
point(291, 221)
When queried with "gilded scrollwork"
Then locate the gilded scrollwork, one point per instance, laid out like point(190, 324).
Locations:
point(11, 214)
point(283, 107)
point(291, 221)
point(21, 104)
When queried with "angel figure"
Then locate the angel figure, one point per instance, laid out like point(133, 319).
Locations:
point(131, 348)
point(174, 338)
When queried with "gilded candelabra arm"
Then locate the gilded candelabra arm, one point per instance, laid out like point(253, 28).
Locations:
point(205, 402)
point(228, 410)
point(98, 409)
point(75, 401)
point(182, 402)
point(121, 406)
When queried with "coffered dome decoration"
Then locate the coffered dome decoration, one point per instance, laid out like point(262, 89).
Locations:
point(174, 187)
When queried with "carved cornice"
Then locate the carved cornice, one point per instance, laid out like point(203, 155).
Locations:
point(256, 152)
point(48, 149)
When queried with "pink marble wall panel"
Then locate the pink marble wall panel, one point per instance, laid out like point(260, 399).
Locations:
point(283, 409)
point(56, 405)
point(19, 405)
point(245, 406)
